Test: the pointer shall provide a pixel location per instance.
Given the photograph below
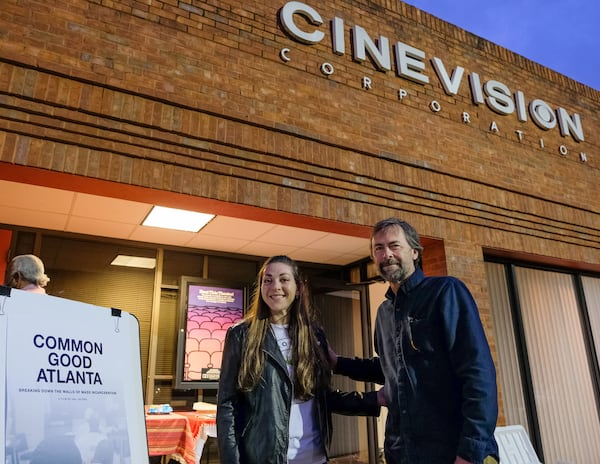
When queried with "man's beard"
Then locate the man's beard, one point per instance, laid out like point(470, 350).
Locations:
point(393, 275)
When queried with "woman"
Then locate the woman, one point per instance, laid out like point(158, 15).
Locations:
point(274, 401)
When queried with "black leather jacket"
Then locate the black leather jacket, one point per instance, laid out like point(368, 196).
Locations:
point(253, 427)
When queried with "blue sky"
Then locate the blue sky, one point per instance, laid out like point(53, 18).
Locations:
point(559, 34)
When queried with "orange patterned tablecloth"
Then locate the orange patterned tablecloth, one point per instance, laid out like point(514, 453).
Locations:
point(177, 434)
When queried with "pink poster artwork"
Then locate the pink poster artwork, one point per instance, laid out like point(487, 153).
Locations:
point(210, 312)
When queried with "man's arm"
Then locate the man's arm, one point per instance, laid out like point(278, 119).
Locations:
point(473, 364)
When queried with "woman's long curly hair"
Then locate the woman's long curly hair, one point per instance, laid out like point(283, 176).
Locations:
point(311, 367)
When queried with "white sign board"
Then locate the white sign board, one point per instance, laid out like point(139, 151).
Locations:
point(70, 382)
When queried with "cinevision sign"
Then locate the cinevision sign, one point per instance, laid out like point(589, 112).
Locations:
point(303, 22)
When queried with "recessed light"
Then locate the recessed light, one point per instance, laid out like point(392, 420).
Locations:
point(134, 261)
point(177, 219)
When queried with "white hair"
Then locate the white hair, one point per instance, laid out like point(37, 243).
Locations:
point(31, 269)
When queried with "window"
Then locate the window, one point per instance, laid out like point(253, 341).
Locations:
point(545, 367)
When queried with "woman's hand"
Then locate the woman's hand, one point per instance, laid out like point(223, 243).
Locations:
point(333, 357)
point(381, 400)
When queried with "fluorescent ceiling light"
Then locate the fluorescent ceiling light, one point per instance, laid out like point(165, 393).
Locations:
point(134, 261)
point(177, 219)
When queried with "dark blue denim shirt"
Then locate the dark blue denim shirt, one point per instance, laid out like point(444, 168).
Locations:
point(438, 370)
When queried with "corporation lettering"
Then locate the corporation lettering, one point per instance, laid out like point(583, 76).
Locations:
point(304, 24)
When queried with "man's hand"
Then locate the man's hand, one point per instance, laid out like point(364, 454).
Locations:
point(460, 460)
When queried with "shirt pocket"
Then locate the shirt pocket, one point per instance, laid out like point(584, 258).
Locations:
point(422, 336)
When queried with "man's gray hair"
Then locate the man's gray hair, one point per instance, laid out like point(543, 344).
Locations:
point(412, 236)
point(30, 267)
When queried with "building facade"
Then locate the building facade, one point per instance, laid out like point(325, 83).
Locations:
point(328, 117)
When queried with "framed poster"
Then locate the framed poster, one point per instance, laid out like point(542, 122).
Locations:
point(207, 308)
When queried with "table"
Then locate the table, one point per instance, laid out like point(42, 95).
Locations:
point(181, 435)
point(203, 426)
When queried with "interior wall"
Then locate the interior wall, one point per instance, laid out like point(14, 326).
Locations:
point(5, 239)
point(127, 289)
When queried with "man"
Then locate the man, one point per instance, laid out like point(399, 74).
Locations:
point(440, 380)
point(26, 272)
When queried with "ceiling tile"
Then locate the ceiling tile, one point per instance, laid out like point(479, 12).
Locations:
point(282, 235)
point(214, 242)
point(91, 226)
point(160, 235)
point(109, 209)
point(222, 226)
point(324, 257)
point(342, 243)
point(267, 249)
point(33, 218)
point(32, 197)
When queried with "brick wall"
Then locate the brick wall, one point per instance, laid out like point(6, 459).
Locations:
point(193, 98)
